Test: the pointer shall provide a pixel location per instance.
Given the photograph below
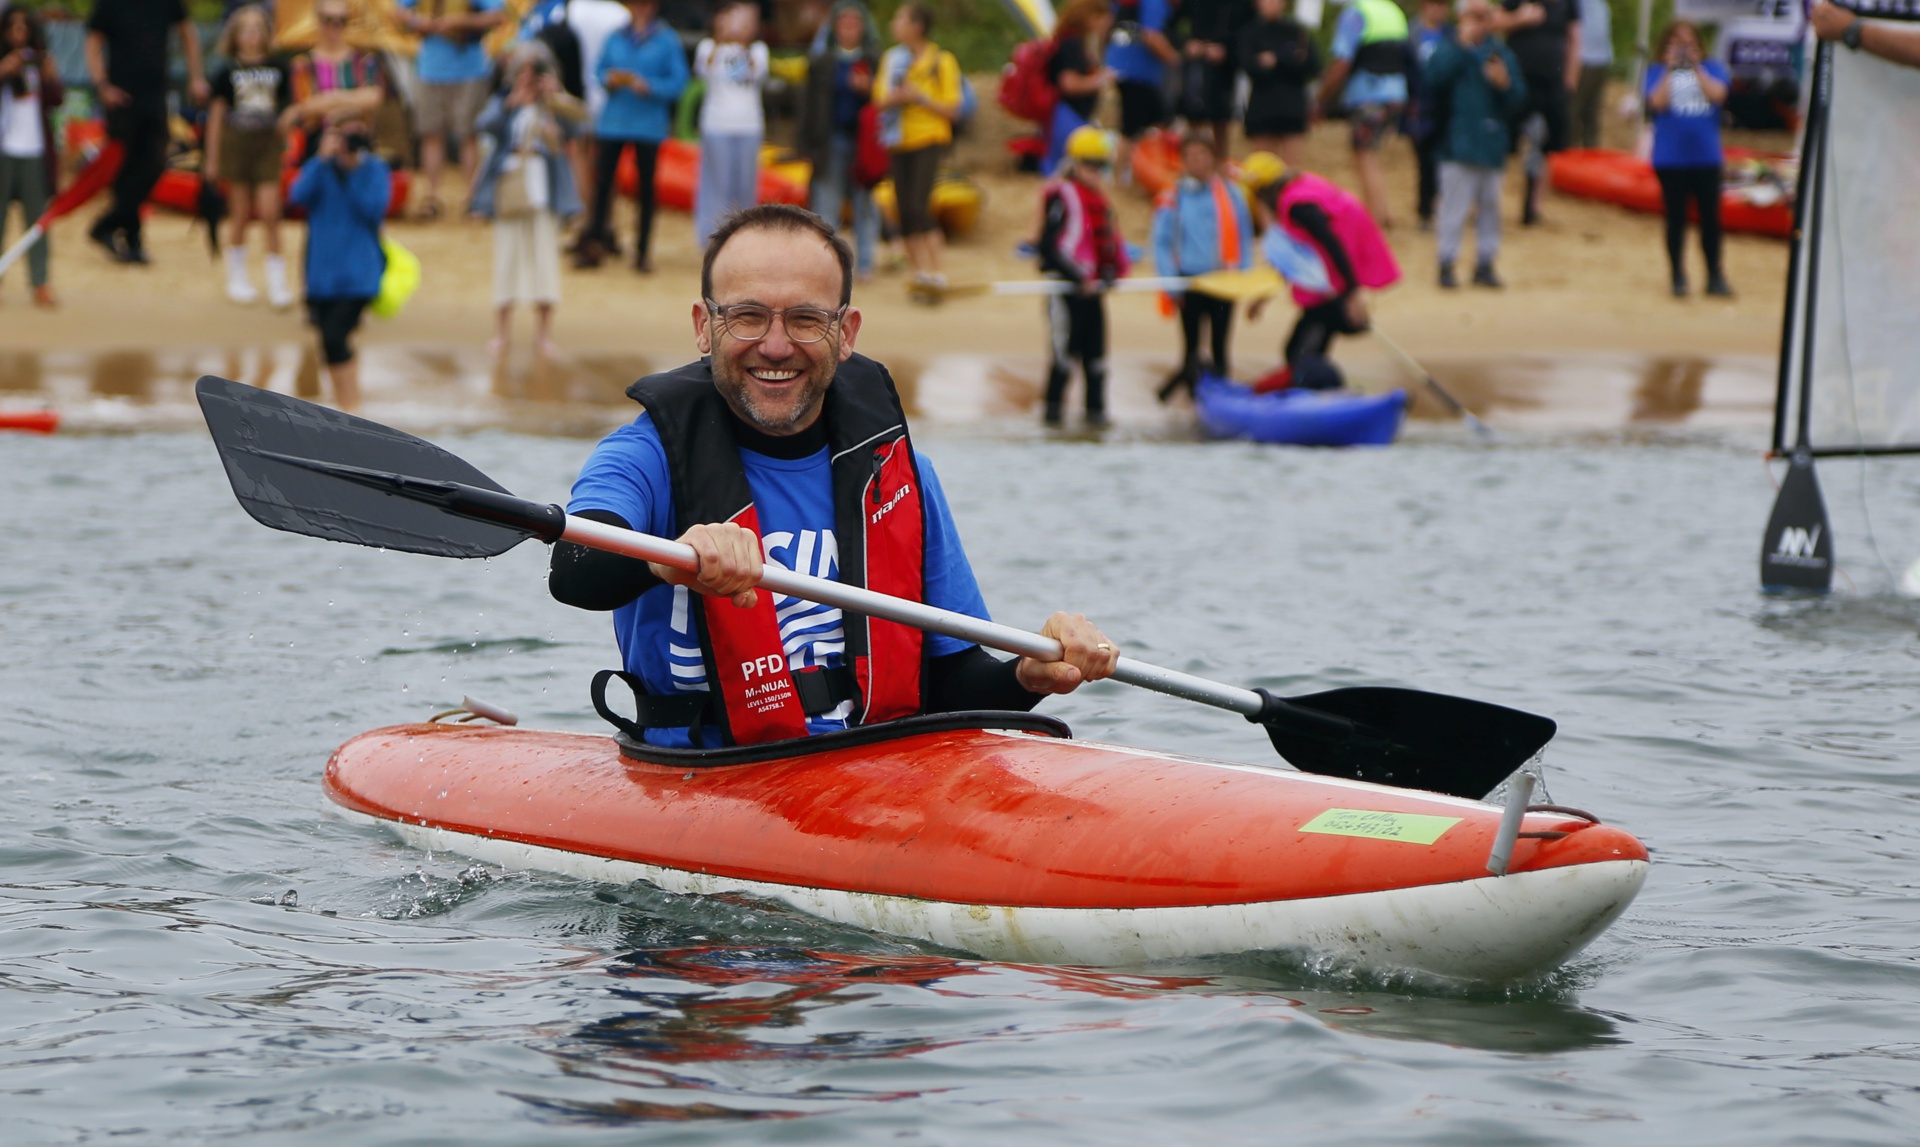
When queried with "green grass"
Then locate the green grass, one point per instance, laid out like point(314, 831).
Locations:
point(981, 34)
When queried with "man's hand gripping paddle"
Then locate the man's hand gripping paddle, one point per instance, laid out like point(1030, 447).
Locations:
point(308, 469)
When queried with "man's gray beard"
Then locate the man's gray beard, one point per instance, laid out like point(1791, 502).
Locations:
point(737, 389)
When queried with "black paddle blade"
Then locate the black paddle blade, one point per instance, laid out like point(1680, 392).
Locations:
point(1405, 737)
point(1796, 555)
point(263, 437)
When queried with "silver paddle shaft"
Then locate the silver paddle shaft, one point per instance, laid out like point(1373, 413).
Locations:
point(646, 547)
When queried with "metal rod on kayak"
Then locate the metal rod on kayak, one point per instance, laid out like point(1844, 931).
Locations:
point(1519, 792)
point(600, 536)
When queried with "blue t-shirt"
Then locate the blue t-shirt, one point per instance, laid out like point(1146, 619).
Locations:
point(627, 475)
point(443, 61)
point(1687, 134)
point(1363, 87)
point(1133, 60)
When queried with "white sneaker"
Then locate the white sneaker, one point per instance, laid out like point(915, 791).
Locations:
point(279, 294)
point(240, 286)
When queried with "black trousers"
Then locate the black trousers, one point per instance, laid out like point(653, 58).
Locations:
point(336, 320)
point(142, 132)
point(646, 154)
point(1697, 187)
point(1427, 153)
point(1196, 310)
point(1313, 332)
point(1079, 331)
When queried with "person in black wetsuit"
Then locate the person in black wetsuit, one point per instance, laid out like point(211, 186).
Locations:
point(1080, 243)
point(784, 446)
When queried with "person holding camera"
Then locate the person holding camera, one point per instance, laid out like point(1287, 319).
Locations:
point(29, 166)
point(1685, 94)
point(344, 189)
point(526, 187)
point(733, 64)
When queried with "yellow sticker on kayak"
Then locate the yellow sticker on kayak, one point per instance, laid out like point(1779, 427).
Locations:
point(1412, 828)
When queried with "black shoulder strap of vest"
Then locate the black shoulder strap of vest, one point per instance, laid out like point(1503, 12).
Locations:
point(696, 431)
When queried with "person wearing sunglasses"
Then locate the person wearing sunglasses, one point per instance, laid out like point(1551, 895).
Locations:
point(782, 445)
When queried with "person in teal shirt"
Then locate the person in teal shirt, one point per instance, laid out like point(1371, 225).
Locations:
point(1477, 80)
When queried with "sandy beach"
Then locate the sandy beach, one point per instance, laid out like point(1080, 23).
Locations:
point(1585, 335)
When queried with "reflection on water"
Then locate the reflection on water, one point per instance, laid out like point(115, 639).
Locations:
point(429, 387)
point(736, 1024)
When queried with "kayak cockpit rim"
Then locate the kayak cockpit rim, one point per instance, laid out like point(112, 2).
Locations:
point(634, 749)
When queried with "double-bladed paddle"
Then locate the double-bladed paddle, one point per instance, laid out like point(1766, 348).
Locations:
point(308, 469)
point(1480, 429)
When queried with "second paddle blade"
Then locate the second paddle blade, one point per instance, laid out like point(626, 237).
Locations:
point(1414, 739)
point(249, 423)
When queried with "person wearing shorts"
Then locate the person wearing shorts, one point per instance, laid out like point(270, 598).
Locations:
point(244, 143)
point(454, 77)
point(1368, 81)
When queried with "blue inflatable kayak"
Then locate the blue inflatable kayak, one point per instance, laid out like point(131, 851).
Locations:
point(1298, 417)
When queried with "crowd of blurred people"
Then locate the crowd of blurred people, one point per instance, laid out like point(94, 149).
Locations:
point(551, 121)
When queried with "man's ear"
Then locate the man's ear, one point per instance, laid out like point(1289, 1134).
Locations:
point(849, 330)
point(702, 331)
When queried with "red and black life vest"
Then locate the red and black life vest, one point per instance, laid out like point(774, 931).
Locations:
point(880, 525)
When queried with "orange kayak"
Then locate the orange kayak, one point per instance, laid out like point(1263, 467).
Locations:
point(1624, 178)
point(179, 191)
point(676, 177)
point(1018, 843)
point(1156, 161)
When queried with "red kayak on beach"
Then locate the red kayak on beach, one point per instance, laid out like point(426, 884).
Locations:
point(1759, 201)
point(30, 421)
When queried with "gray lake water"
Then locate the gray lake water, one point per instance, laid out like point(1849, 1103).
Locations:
point(192, 950)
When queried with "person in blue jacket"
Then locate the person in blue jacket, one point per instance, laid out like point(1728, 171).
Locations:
point(344, 189)
point(644, 69)
point(1201, 224)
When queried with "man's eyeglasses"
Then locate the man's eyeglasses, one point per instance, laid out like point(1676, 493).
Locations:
point(750, 322)
point(335, 21)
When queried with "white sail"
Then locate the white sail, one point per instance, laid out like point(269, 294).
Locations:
point(1863, 289)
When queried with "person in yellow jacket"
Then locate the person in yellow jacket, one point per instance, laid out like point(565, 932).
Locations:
point(918, 94)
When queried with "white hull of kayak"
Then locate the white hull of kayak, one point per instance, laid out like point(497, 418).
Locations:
point(1486, 930)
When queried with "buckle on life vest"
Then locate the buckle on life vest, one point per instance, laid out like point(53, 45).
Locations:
point(820, 691)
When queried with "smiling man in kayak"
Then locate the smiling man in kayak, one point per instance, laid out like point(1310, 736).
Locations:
point(784, 446)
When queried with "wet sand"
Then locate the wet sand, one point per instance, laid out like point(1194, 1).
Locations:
point(1584, 337)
